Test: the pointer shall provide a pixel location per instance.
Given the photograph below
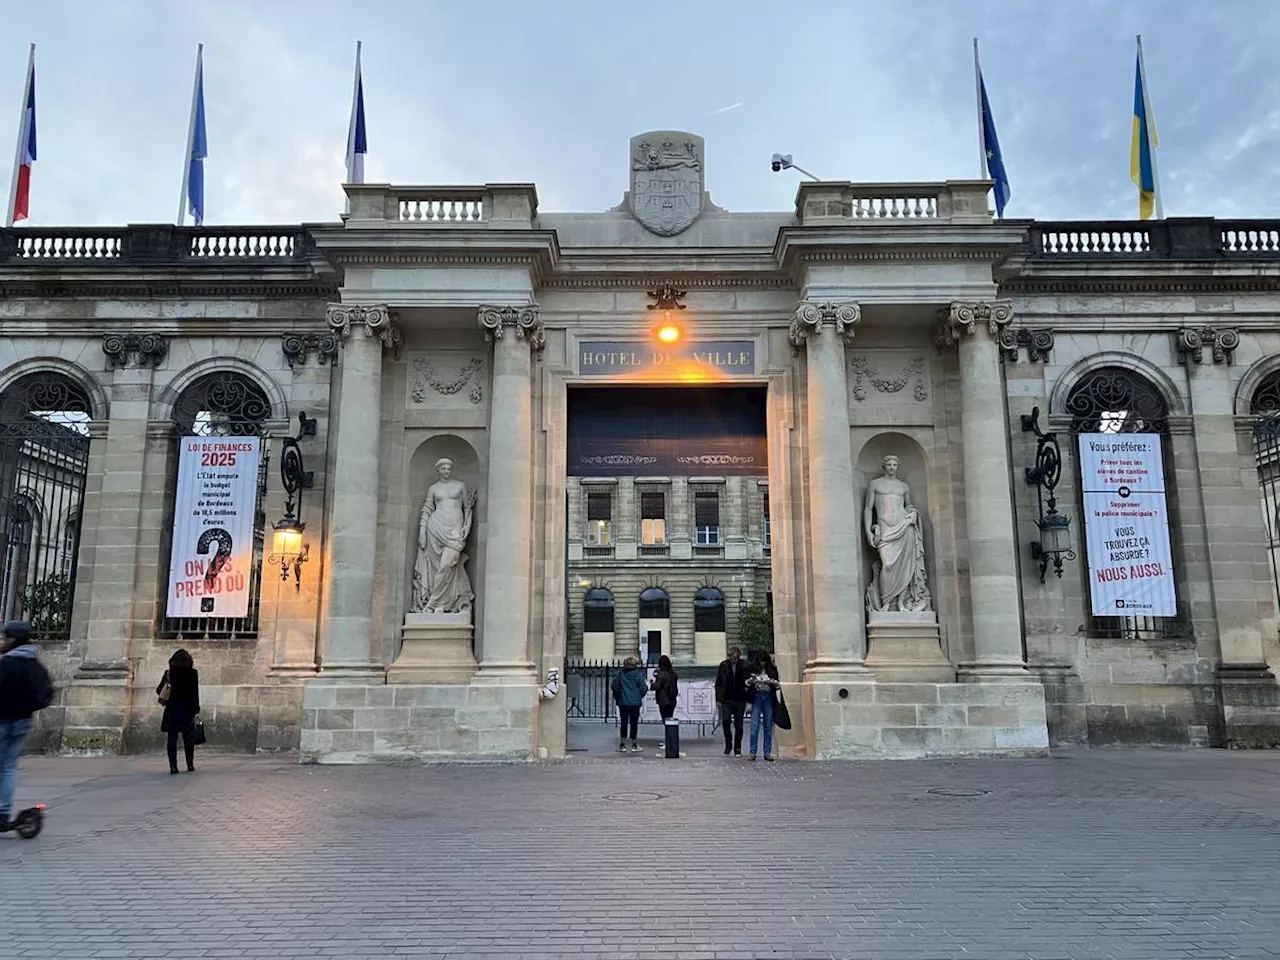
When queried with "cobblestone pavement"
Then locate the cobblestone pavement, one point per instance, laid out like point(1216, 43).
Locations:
point(1125, 854)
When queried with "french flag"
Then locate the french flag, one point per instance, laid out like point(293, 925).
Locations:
point(25, 156)
point(357, 145)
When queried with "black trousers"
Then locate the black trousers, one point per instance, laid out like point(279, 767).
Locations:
point(188, 748)
point(628, 716)
point(731, 714)
point(667, 712)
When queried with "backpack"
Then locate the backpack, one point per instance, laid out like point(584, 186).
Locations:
point(41, 687)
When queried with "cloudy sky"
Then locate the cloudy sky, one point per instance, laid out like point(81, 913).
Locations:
point(467, 91)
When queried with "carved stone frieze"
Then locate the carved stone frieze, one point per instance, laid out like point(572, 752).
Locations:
point(525, 321)
point(374, 319)
point(811, 318)
point(147, 349)
point(297, 347)
point(1038, 344)
point(893, 380)
point(431, 379)
point(967, 317)
point(1190, 343)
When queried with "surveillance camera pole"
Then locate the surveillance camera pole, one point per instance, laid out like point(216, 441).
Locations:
point(785, 163)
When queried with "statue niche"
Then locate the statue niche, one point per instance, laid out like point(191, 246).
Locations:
point(903, 638)
point(436, 642)
point(440, 581)
point(893, 529)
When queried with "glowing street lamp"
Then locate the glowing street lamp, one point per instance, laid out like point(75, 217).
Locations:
point(668, 332)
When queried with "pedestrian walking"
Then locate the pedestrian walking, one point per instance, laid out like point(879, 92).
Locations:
point(762, 685)
point(25, 689)
point(179, 691)
point(629, 689)
point(731, 698)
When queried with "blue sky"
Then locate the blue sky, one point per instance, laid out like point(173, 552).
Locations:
point(467, 91)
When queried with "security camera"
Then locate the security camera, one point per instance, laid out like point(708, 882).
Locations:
point(780, 162)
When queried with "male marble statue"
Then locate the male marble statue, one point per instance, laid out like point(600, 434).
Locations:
point(893, 529)
point(440, 582)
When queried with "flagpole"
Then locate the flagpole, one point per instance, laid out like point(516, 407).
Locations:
point(191, 133)
point(22, 135)
point(351, 127)
point(1149, 120)
point(983, 172)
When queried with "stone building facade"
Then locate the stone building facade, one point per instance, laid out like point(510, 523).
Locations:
point(880, 322)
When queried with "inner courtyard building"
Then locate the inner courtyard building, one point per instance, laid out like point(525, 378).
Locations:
point(986, 486)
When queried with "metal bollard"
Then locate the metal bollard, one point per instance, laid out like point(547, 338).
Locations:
point(671, 735)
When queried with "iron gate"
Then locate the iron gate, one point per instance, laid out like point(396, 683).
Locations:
point(1266, 454)
point(44, 461)
point(589, 685)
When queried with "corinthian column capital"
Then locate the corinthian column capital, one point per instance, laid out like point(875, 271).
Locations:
point(374, 319)
point(811, 318)
point(966, 318)
point(523, 320)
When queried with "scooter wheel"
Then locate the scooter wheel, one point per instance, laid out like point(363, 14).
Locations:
point(29, 824)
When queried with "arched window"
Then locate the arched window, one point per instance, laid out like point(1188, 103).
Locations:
point(1265, 405)
point(222, 404)
point(44, 461)
point(708, 611)
point(655, 604)
point(597, 611)
point(1118, 400)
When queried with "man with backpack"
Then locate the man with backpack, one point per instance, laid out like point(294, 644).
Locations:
point(25, 689)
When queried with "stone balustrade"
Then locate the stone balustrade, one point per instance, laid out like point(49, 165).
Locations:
point(502, 206)
point(1178, 238)
point(153, 243)
point(829, 203)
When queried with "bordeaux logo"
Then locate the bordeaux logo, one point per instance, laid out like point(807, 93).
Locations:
point(666, 180)
point(1119, 604)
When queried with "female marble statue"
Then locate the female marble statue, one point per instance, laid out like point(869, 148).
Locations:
point(892, 526)
point(440, 582)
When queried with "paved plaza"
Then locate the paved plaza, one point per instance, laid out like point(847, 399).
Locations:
point(1107, 854)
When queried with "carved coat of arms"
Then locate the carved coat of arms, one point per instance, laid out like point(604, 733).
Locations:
point(666, 180)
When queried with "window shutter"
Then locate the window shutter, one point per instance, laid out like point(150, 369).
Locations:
point(653, 506)
point(706, 510)
point(598, 506)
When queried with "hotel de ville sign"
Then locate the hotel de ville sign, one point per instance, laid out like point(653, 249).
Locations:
point(666, 180)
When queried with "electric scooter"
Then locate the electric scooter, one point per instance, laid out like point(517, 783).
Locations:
point(28, 823)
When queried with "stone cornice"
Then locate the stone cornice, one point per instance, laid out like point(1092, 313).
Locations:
point(718, 280)
point(131, 288)
point(906, 241)
point(536, 250)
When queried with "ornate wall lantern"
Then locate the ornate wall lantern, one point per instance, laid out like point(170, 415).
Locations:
point(1054, 544)
point(289, 549)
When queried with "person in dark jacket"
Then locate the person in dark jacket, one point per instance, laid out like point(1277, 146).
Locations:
point(731, 698)
point(666, 687)
point(763, 686)
point(181, 708)
point(629, 689)
point(25, 688)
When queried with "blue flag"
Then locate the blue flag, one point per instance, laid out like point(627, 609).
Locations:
point(198, 148)
point(991, 147)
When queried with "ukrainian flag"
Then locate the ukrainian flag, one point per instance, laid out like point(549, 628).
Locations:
point(1141, 151)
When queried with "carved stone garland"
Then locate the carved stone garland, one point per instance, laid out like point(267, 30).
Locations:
point(424, 377)
point(863, 374)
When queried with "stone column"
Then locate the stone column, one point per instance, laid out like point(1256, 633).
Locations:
point(840, 632)
point(516, 333)
point(346, 629)
point(992, 546)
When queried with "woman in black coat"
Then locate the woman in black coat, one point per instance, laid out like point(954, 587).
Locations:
point(182, 707)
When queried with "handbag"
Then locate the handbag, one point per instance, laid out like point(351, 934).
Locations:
point(781, 715)
point(166, 690)
point(197, 732)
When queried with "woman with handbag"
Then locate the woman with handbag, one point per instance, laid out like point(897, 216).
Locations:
point(762, 687)
point(179, 691)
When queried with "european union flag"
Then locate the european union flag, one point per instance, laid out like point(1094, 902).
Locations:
point(199, 150)
point(991, 147)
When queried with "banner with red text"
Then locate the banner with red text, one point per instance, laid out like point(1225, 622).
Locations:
point(1126, 525)
point(213, 527)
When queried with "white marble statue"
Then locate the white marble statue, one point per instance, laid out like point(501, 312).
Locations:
point(892, 525)
point(440, 582)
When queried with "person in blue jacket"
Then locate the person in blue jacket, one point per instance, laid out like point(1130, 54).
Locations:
point(629, 689)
